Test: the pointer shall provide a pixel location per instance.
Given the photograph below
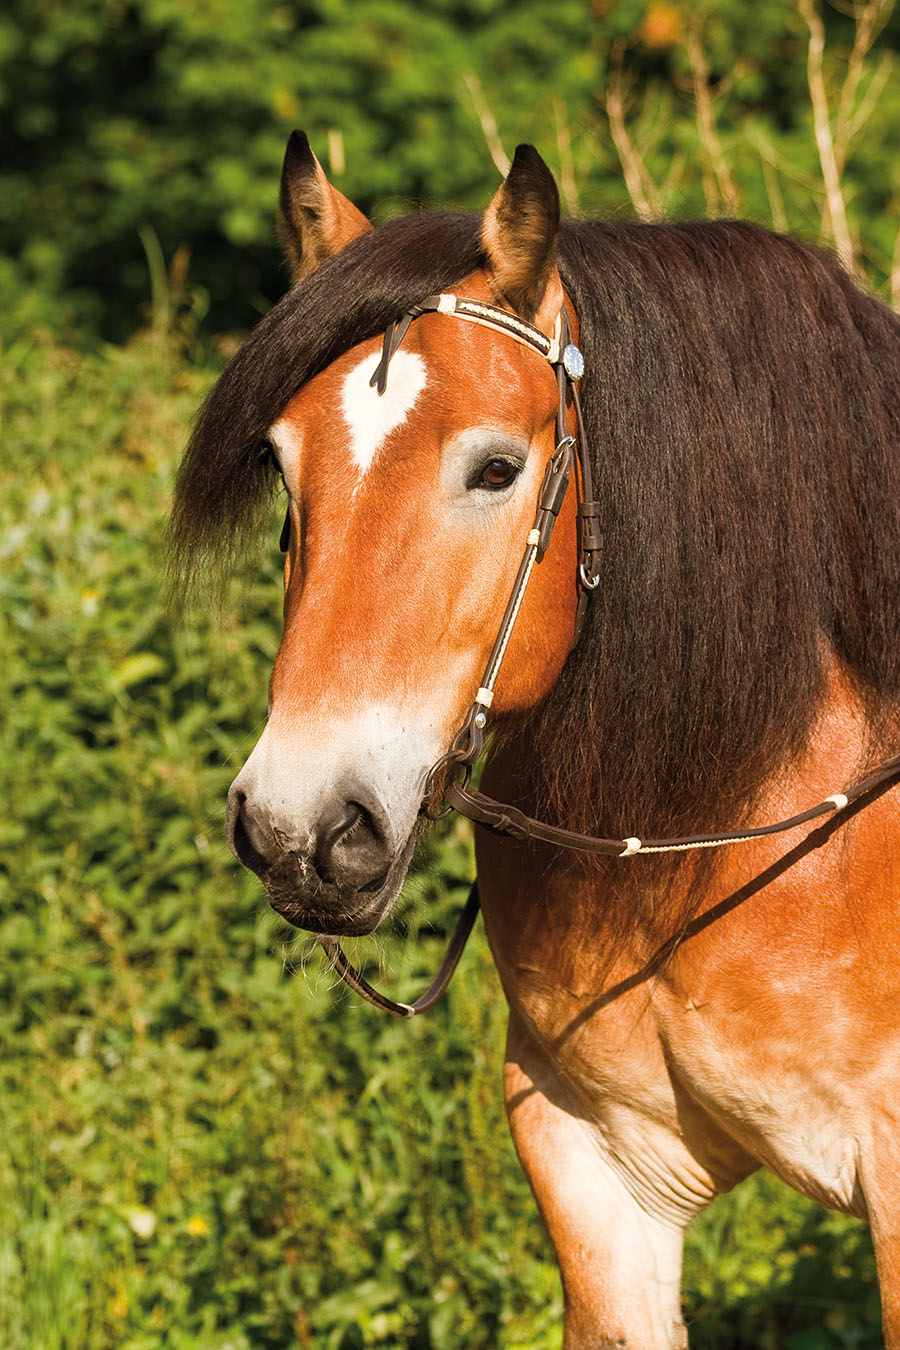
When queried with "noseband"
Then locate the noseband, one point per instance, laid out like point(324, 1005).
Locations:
point(568, 365)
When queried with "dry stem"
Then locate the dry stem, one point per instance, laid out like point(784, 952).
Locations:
point(718, 184)
point(836, 206)
point(870, 17)
point(641, 188)
point(567, 184)
point(488, 122)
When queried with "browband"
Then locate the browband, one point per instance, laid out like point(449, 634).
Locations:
point(476, 311)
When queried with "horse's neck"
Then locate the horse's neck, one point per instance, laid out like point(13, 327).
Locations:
point(551, 910)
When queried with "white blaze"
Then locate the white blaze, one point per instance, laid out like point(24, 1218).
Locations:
point(370, 416)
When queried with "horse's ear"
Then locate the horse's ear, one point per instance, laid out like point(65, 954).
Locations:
point(519, 237)
point(314, 219)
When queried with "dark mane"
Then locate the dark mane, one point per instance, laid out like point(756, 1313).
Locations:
point(742, 400)
point(743, 405)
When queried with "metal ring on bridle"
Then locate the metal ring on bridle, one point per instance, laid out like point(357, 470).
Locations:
point(588, 582)
point(452, 757)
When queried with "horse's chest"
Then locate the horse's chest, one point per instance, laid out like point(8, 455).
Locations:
point(792, 1092)
point(771, 1037)
point(703, 1094)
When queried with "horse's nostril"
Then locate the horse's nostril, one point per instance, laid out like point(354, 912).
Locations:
point(246, 836)
point(372, 887)
point(350, 848)
point(336, 821)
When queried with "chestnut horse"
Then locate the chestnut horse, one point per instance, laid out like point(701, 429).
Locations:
point(676, 1020)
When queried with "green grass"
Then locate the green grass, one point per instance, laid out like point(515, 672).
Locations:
point(204, 1144)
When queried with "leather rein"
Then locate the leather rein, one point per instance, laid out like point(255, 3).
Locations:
point(571, 451)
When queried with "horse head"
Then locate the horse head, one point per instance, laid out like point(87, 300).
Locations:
point(408, 508)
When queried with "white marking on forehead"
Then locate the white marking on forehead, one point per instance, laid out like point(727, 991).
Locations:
point(370, 416)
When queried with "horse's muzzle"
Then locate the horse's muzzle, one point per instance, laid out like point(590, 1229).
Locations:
point(341, 879)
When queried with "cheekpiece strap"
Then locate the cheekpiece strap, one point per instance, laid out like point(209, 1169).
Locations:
point(393, 336)
point(568, 366)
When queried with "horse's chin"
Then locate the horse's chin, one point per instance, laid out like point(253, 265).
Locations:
point(334, 912)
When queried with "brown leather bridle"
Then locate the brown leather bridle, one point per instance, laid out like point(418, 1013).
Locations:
point(568, 365)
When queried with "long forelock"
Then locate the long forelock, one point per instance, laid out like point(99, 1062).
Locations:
point(225, 482)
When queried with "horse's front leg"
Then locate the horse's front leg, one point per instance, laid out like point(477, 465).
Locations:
point(887, 1258)
point(879, 1171)
point(620, 1263)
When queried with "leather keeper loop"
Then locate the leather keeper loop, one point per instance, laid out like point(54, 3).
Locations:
point(469, 740)
point(553, 490)
point(590, 539)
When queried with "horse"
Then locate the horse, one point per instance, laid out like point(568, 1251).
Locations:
point(711, 638)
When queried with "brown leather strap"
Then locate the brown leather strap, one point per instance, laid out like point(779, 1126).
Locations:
point(505, 819)
point(351, 976)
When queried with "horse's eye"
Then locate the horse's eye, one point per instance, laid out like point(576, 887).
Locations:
point(497, 473)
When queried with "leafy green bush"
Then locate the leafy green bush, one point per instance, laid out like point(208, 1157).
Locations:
point(133, 124)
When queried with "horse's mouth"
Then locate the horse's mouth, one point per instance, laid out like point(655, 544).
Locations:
point(306, 902)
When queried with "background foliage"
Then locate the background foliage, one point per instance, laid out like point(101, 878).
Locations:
point(128, 126)
point(203, 1144)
